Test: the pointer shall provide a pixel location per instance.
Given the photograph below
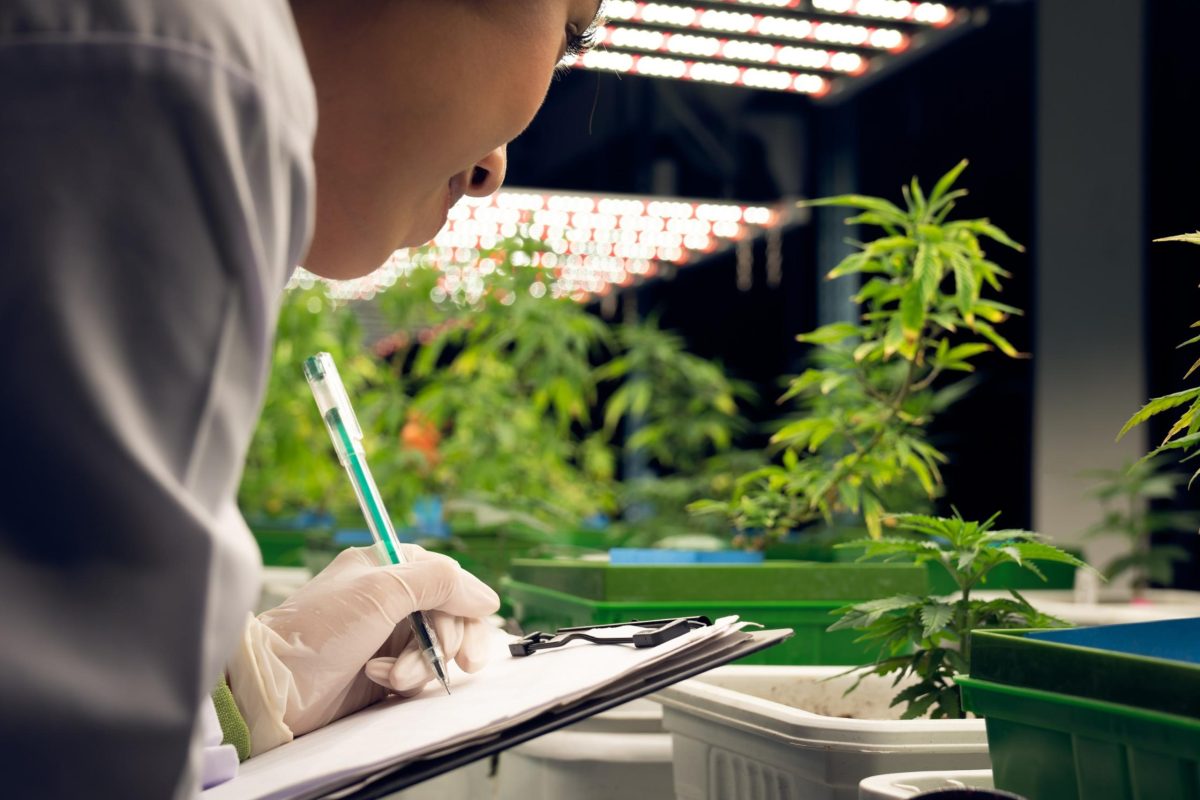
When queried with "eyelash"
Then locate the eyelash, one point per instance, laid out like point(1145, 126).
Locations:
point(577, 45)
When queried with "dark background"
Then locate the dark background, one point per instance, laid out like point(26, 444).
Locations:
point(972, 97)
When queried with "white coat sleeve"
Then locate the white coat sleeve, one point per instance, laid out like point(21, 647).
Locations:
point(155, 184)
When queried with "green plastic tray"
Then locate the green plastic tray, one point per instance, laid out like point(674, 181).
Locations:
point(1008, 576)
point(1069, 721)
point(538, 608)
point(778, 581)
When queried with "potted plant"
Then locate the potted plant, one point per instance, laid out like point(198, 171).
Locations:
point(823, 731)
point(1121, 698)
point(859, 442)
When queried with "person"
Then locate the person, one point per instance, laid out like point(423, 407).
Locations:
point(165, 165)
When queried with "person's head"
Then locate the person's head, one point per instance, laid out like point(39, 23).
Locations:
point(416, 101)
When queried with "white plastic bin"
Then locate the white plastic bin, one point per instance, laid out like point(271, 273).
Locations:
point(903, 785)
point(622, 754)
point(784, 733)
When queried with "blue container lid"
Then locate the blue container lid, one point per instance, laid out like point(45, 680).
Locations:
point(1173, 639)
point(638, 555)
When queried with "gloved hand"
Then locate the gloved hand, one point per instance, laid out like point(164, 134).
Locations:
point(335, 646)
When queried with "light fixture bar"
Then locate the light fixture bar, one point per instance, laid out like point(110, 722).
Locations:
point(730, 50)
point(768, 26)
point(915, 13)
point(656, 66)
point(594, 242)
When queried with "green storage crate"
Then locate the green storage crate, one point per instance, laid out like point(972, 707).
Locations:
point(546, 595)
point(1105, 713)
point(1010, 576)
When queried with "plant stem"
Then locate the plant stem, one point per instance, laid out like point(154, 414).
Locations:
point(893, 410)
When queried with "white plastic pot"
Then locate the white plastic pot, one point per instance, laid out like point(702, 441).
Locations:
point(622, 754)
point(784, 733)
point(903, 785)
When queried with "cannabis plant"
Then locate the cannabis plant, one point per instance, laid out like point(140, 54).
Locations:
point(929, 637)
point(1125, 495)
point(1185, 432)
point(859, 440)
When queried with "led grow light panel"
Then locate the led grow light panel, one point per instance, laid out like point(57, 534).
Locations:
point(758, 44)
point(593, 242)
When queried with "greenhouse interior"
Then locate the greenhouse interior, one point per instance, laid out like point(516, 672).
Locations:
point(601, 399)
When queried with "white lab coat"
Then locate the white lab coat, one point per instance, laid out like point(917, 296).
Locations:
point(155, 190)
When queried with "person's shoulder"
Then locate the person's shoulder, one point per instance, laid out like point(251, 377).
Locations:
point(254, 39)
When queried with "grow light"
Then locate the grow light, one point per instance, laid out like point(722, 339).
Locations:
point(757, 43)
point(593, 242)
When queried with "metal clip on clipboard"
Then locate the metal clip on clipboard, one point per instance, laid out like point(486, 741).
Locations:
point(656, 632)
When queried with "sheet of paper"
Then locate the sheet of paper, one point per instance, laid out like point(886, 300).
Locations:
point(507, 691)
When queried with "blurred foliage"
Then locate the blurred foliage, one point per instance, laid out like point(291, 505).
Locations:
point(929, 637)
point(510, 403)
point(858, 444)
point(1126, 495)
point(291, 468)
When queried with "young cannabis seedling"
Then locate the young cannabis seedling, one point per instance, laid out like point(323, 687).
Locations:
point(1125, 495)
point(929, 637)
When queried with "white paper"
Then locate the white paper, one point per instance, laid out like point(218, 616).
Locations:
point(507, 691)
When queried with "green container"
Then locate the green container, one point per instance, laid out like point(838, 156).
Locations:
point(282, 547)
point(1106, 713)
point(1010, 576)
point(546, 595)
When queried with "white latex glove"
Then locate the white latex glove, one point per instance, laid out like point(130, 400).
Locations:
point(336, 645)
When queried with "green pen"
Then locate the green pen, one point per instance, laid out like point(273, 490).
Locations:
point(334, 404)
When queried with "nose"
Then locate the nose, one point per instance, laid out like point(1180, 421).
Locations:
point(488, 173)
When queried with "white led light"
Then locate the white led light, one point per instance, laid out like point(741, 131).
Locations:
point(714, 73)
point(886, 9)
point(766, 78)
point(886, 38)
point(846, 62)
point(932, 13)
point(661, 67)
point(807, 57)
point(833, 6)
point(663, 14)
point(840, 33)
point(734, 21)
point(688, 44)
point(785, 28)
point(636, 38)
point(608, 61)
point(748, 51)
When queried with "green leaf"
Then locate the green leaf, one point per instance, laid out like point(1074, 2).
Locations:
point(1159, 405)
point(830, 334)
point(935, 617)
point(883, 208)
point(945, 182)
point(912, 313)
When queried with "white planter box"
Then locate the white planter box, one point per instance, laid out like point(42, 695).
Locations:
point(622, 754)
point(903, 785)
point(780, 733)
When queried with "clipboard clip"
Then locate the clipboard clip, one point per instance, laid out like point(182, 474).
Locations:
point(656, 631)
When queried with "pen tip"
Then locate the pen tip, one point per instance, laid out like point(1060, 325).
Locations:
point(445, 684)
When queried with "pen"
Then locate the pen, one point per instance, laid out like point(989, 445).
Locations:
point(334, 404)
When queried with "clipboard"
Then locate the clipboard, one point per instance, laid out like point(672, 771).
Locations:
point(409, 774)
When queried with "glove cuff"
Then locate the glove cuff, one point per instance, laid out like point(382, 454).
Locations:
point(261, 684)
